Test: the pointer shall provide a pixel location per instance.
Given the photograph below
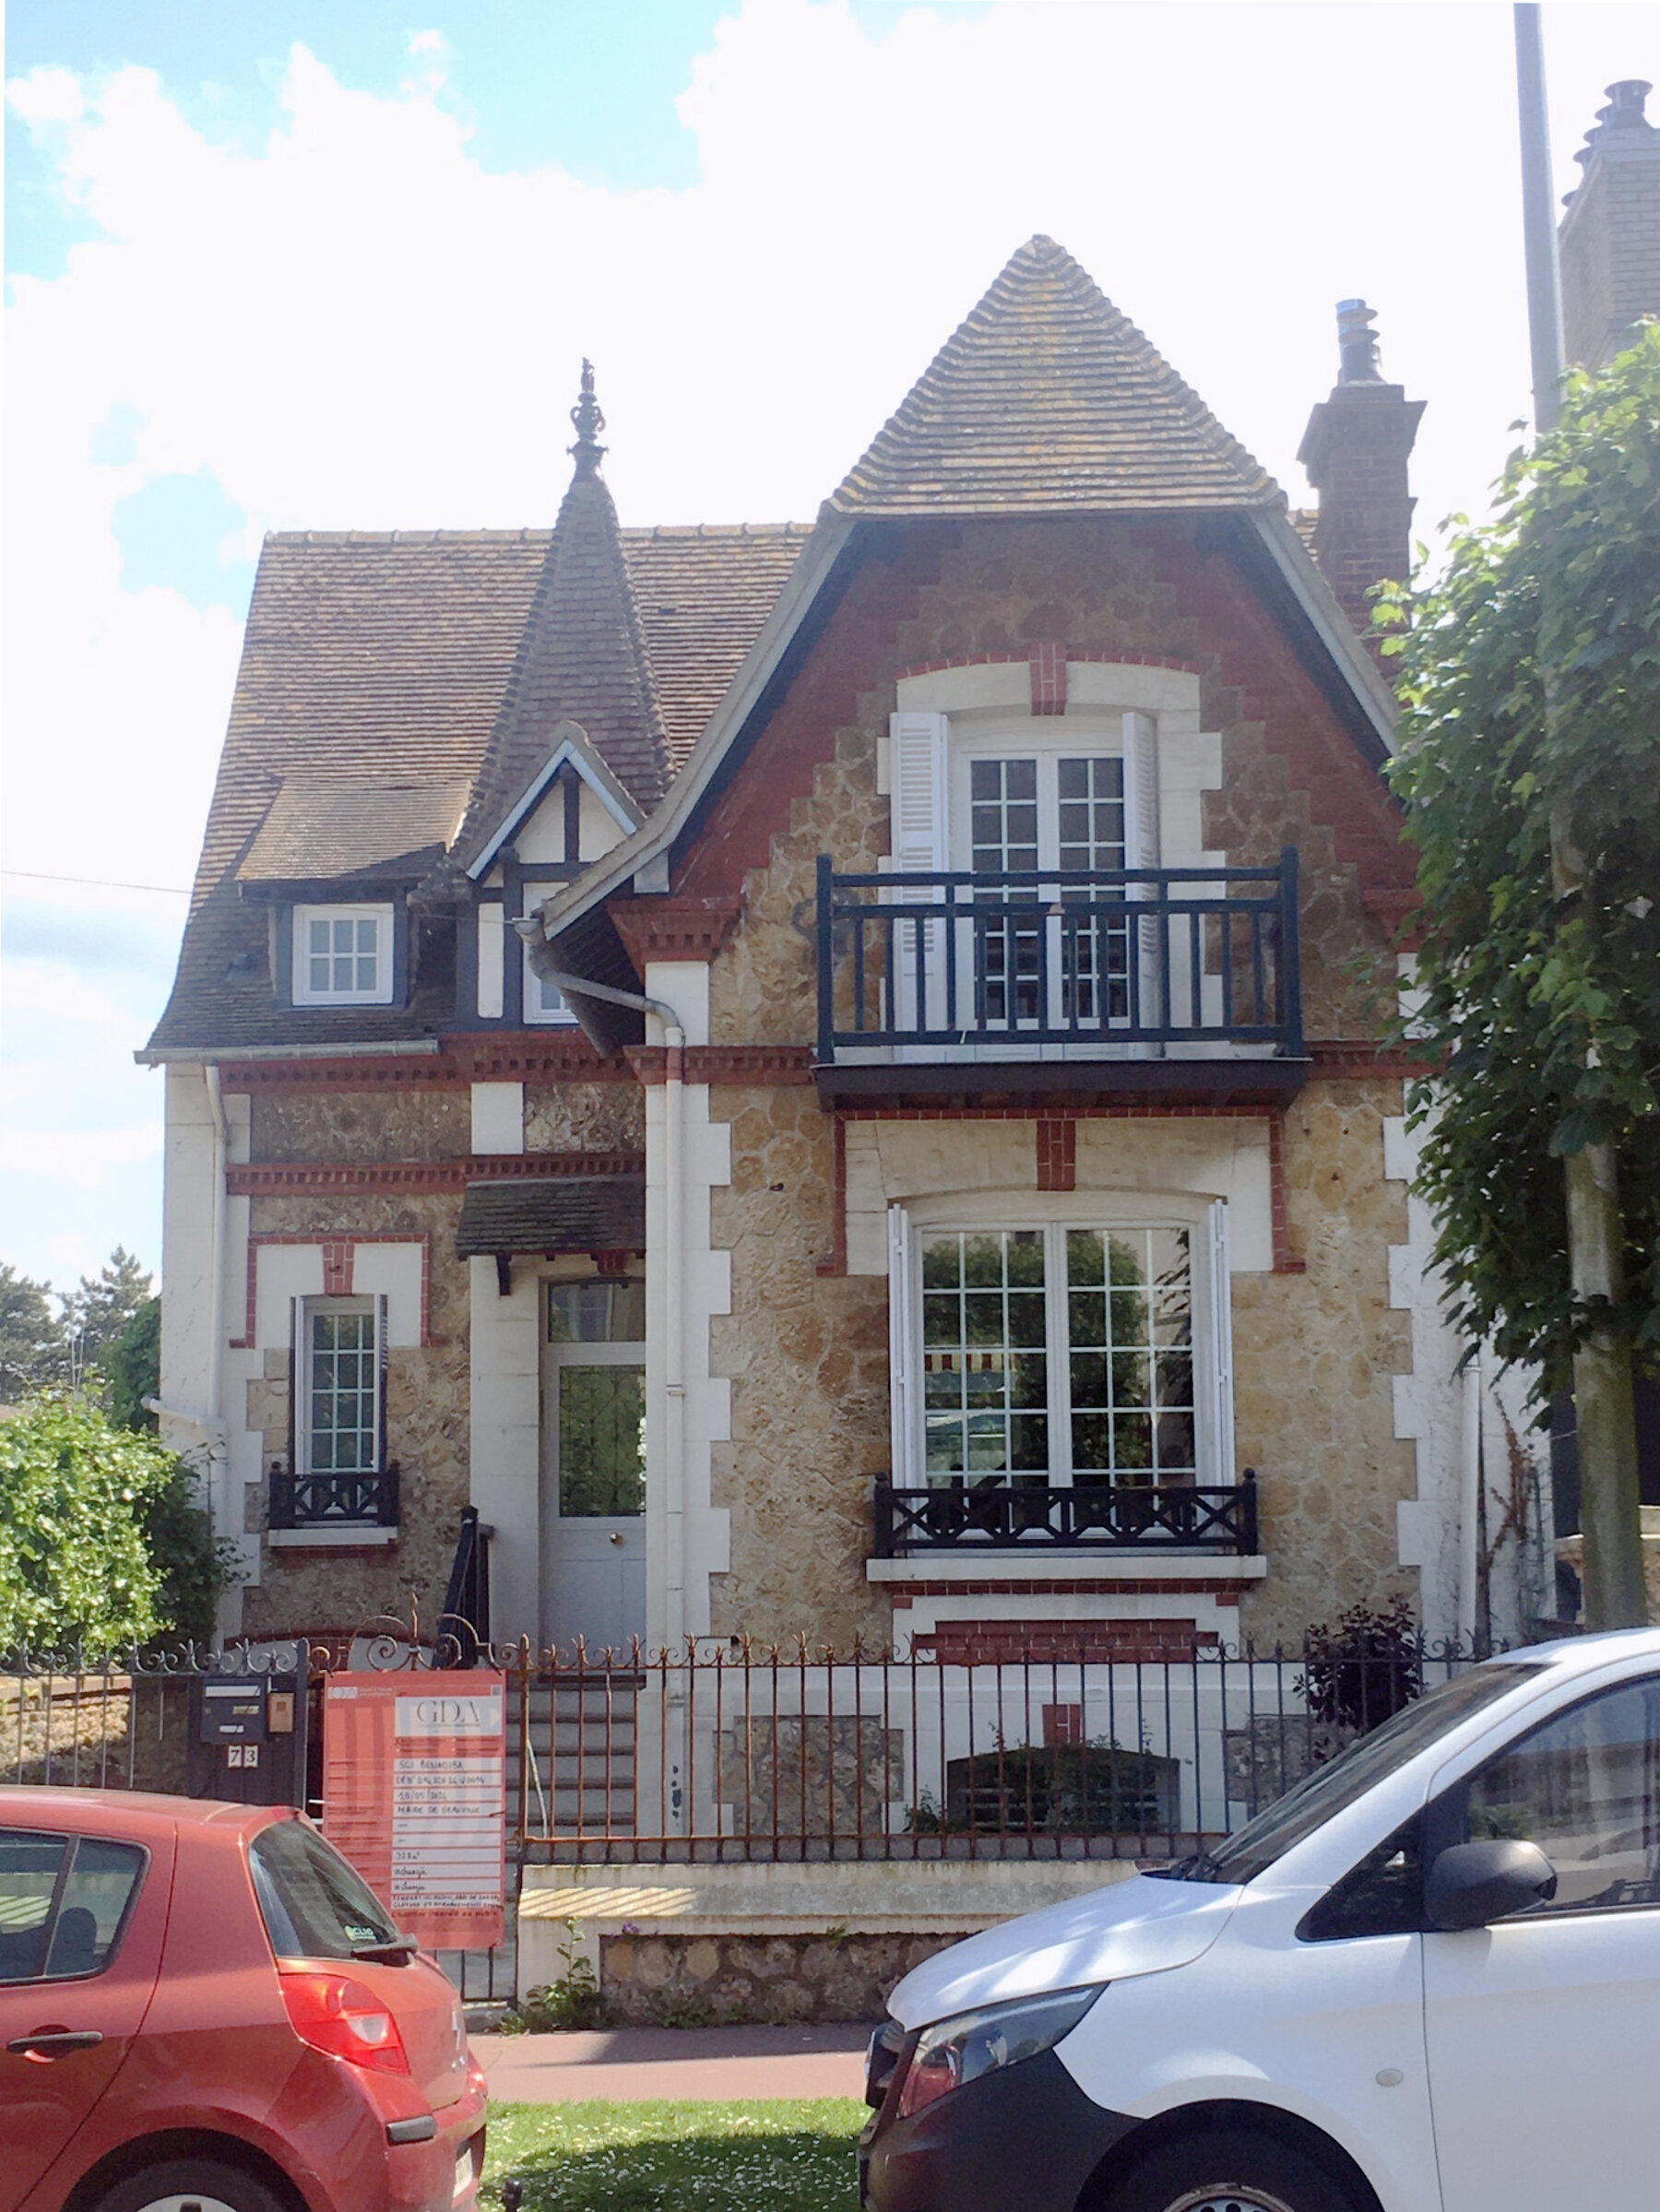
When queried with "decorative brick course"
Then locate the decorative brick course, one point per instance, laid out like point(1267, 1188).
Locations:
point(1073, 1643)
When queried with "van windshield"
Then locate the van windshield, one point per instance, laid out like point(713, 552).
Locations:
point(1330, 1789)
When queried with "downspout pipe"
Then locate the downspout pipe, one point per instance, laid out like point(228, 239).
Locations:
point(674, 1347)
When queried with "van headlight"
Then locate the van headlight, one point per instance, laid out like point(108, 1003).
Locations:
point(961, 2049)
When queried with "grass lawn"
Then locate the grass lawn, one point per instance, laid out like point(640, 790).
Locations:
point(782, 2154)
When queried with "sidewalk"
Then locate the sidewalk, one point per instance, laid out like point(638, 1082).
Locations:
point(627, 2063)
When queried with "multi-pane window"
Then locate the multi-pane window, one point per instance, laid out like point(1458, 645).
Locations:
point(1057, 1354)
point(1065, 812)
point(342, 955)
point(341, 1389)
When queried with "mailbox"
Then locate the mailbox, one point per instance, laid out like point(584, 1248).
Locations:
point(248, 1738)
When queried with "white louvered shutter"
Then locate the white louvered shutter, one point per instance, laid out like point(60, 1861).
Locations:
point(1219, 1379)
point(917, 774)
point(902, 1384)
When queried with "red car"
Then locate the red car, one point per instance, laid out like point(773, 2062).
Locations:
point(203, 2008)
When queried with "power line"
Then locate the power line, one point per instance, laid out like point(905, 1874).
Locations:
point(33, 875)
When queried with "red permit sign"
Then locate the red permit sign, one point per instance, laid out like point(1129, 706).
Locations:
point(414, 1793)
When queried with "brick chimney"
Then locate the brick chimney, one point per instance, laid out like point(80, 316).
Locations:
point(1609, 239)
point(1355, 450)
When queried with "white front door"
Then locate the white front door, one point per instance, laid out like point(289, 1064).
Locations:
point(1542, 2030)
point(593, 1472)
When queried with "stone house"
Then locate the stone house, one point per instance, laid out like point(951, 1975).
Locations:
point(821, 1080)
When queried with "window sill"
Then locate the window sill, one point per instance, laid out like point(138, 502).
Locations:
point(337, 1536)
point(1070, 1563)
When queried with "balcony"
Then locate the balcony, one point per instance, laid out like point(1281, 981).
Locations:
point(963, 1517)
point(330, 1502)
point(1174, 982)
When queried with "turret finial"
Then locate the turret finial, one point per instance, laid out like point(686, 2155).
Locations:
point(589, 421)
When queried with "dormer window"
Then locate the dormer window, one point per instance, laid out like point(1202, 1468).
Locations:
point(342, 955)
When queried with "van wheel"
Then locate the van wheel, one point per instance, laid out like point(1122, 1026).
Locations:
point(1228, 2170)
point(190, 2186)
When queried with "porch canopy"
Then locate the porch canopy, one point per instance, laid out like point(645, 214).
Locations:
point(552, 1215)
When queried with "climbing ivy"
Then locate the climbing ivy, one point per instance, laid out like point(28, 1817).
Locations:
point(1541, 1012)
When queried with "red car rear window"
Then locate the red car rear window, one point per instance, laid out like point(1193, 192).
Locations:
point(314, 1904)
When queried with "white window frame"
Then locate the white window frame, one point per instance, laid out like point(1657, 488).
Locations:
point(303, 994)
point(304, 1311)
point(531, 1000)
point(1205, 1220)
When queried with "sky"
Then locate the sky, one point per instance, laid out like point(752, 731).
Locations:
point(284, 265)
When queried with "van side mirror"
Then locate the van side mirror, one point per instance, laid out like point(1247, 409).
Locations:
point(1473, 1884)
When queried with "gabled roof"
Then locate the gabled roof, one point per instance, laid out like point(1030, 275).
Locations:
point(572, 750)
point(1049, 400)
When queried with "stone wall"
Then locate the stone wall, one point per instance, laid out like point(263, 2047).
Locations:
point(426, 1422)
point(709, 1980)
point(807, 1358)
point(1315, 1355)
point(608, 1117)
point(421, 1123)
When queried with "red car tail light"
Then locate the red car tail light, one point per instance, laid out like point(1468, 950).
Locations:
point(334, 2014)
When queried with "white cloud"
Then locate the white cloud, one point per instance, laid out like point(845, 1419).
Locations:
point(85, 1158)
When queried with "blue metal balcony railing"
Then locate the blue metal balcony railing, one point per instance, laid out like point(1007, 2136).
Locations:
point(1118, 962)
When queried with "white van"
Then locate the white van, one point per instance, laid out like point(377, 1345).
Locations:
point(1428, 1980)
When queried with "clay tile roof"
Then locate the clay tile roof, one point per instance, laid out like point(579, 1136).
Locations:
point(1047, 398)
point(582, 659)
point(703, 594)
point(318, 828)
point(387, 658)
point(558, 1214)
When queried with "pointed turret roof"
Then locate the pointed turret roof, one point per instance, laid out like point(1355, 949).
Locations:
point(582, 658)
point(1048, 399)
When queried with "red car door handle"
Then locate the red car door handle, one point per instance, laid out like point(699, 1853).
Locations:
point(53, 2042)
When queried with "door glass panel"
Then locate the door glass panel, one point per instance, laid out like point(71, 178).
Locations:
point(1130, 1326)
point(985, 1367)
point(601, 1441)
point(1094, 956)
point(101, 1886)
point(597, 1312)
point(1586, 1787)
point(29, 1867)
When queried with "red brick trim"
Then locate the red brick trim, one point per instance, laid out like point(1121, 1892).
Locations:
point(1048, 677)
point(339, 1254)
point(769, 1066)
point(1336, 1059)
point(1044, 1643)
point(673, 928)
point(1059, 1113)
point(503, 1056)
point(1057, 1155)
point(338, 1245)
point(261, 1178)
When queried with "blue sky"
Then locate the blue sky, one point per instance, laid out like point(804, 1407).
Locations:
point(278, 265)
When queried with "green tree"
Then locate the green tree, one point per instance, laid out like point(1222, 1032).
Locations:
point(99, 1313)
point(32, 1352)
point(132, 1368)
point(101, 1543)
point(1530, 769)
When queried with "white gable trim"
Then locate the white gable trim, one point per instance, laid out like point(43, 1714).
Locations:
point(573, 751)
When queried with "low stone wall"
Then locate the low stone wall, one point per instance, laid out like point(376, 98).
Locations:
point(716, 1981)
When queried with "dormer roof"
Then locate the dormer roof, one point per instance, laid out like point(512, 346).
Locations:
point(1048, 400)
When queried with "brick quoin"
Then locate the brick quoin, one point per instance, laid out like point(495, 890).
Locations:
point(1057, 1155)
point(1062, 1643)
point(1049, 678)
point(338, 1256)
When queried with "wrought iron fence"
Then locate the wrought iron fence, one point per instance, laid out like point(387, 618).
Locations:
point(1099, 1745)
